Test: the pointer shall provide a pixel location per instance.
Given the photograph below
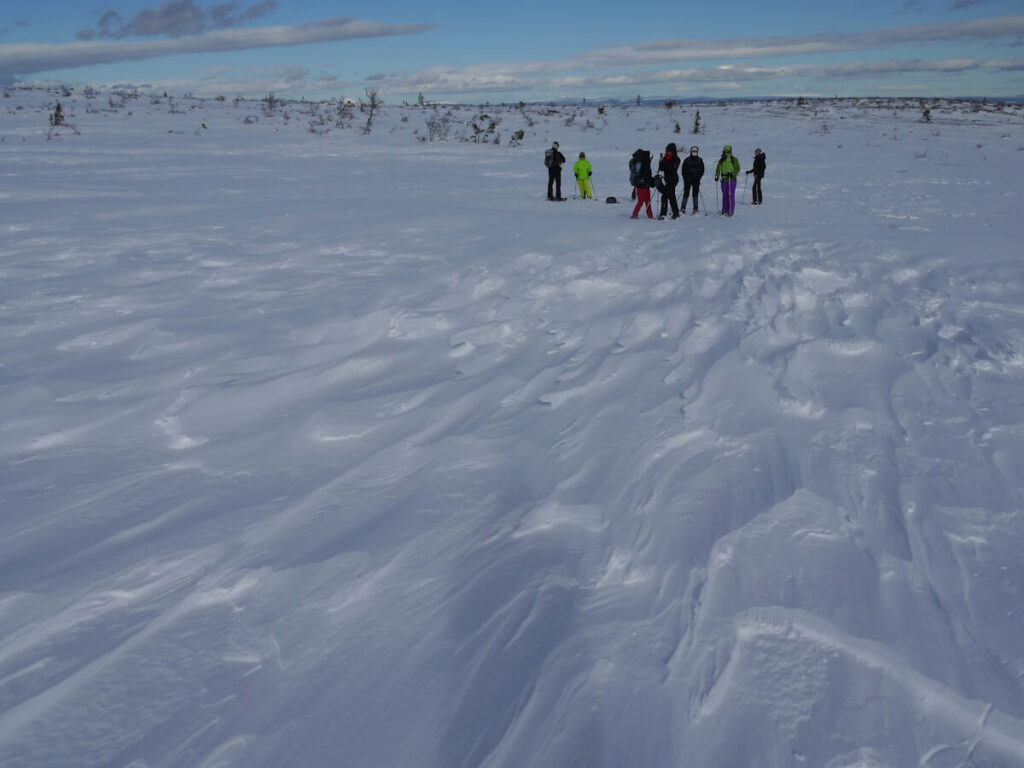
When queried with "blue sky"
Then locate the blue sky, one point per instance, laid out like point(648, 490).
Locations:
point(523, 50)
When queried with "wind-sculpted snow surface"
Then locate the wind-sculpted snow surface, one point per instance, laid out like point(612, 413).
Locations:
point(345, 449)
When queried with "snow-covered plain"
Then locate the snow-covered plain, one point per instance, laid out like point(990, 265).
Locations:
point(330, 449)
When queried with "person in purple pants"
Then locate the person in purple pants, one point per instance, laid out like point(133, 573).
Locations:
point(726, 171)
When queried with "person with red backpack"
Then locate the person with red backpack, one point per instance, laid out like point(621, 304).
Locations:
point(641, 178)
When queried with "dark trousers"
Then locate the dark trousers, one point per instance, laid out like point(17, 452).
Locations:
point(554, 179)
point(757, 190)
point(669, 196)
point(687, 187)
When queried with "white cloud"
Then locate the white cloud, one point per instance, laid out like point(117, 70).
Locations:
point(667, 51)
point(25, 58)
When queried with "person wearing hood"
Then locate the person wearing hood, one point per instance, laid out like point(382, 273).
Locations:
point(668, 167)
point(554, 160)
point(583, 171)
point(641, 178)
point(726, 171)
point(693, 172)
point(760, 161)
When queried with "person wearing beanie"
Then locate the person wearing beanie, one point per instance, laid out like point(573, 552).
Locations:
point(669, 170)
point(554, 160)
point(693, 172)
point(726, 171)
point(760, 161)
point(583, 171)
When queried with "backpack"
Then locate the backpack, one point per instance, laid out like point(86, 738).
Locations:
point(640, 169)
point(549, 156)
point(636, 167)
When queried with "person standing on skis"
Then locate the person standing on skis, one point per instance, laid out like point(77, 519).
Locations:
point(693, 172)
point(727, 170)
point(554, 160)
point(583, 171)
point(669, 170)
point(760, 161)
point(641, 178)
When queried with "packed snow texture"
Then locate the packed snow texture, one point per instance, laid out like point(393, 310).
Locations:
point(331, 448)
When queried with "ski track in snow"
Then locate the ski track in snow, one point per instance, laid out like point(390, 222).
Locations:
point(295, 469)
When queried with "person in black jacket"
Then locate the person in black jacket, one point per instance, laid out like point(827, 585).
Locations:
point(758, 171)
point(554, 160)
point(693, 172)
point(669, 170)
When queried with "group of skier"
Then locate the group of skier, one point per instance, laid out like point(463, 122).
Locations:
point(670, 170)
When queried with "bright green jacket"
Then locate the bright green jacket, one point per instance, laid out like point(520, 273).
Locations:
point(583, 169)
point(730, 167)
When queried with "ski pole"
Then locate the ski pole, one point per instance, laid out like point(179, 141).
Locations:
point(593, 189)
point(702, 203)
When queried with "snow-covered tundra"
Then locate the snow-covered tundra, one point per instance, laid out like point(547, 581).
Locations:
point(322, 446)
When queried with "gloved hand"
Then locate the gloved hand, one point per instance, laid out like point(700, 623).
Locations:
point(749, 172)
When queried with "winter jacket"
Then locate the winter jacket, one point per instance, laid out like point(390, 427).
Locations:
point(693, 169)
point(728, 167)
point(669, 169)
point(759, 165)
point(583, 169)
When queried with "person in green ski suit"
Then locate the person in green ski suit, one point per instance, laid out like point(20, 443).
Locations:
point(583, 170)
point(727, 170)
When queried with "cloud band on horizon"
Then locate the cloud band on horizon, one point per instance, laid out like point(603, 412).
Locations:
point(28, 58)
point(523, 76)
point(666, 51)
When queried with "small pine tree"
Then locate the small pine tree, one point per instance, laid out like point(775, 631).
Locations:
point(57, 116)
point(926, 115)
point(370, 107)
point(696, 122)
